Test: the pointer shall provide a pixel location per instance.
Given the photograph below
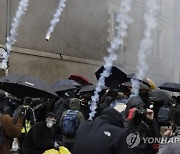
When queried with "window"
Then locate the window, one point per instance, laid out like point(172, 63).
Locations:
point(115, 24)
point(158, 45)
point(160, 10)
point(112, 25)
point(113, 29)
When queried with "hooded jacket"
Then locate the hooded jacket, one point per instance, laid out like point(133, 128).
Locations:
point(39, 139)
point(74, 104)
point(10, 130)
point(104, 135)
point(140, 125)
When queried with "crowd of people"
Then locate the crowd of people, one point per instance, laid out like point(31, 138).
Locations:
point(143, 126)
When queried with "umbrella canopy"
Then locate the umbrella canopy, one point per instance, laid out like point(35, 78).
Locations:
point(145, 81)
point(80, 79)
point(115, 79)
point(89, 88)
point(26, 85)
point(64, 85)
point(159, 95)
point(170, 86)
point(132, 76)
point(141, 86)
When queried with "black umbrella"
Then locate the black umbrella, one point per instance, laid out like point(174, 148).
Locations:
point(89, 88)
point(64, 85)
point(170, 86)
point(141, 86)
point(115, 79)
point(26, 85)
point(159, 95)
point(133, 76)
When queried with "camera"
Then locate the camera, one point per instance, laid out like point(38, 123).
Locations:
point(141, 111)
point(139, 115)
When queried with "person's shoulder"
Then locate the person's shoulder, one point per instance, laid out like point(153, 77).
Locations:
point(64, 113)
point(39, 124)
point(117, 129)
point(86, 124)
point(79, 112)
point(6, 117)
point(170, 147)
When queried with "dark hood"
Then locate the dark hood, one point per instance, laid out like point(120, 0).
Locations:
point(74, 104)
point(112, 116)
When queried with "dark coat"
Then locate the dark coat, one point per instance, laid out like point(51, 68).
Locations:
point(147, 128)
point(10, 130)
point(172, 146)
point(39, 139)
point(141, 125)
point(60, 107)
point(104, 135)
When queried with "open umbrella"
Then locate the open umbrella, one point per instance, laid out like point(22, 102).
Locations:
point(64, 85)
point(170, 86)
point(159, 95)
point(132, 76)
point(89, 88)
point(145, 81)
point(141, 86)
point(80, 79)
point(115, 79)
point(26, 85)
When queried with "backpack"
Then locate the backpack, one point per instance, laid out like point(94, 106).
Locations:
point(70, 123)
point(163, 115)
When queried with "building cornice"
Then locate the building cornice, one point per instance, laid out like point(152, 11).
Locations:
point(56, 56)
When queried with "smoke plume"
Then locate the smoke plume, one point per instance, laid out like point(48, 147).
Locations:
point(11, 39)
point(146, 44)
point(56, 18)
point(123, 20)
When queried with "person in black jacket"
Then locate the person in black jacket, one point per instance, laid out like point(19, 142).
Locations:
point(170, 144)
point(140, 121)
point(104, 135)
point(41, 137)
point(29, 119)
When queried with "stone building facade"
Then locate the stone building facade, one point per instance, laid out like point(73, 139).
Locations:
point(80, 40)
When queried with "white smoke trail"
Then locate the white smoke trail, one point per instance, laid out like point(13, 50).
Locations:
point(146, 44)
point(11, 39)
point(123, 19)
point(56, 18)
